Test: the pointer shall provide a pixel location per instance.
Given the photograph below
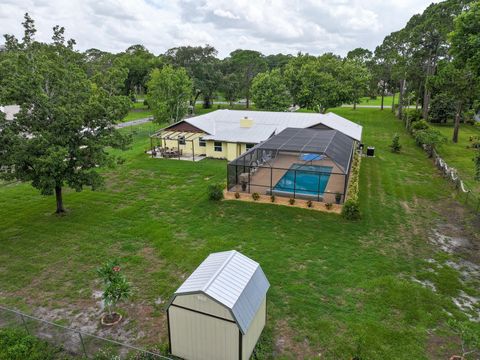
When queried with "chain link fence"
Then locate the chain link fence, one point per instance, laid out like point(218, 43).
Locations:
point(72, 341)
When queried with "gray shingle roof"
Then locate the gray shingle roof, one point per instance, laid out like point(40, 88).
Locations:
point(232, 279)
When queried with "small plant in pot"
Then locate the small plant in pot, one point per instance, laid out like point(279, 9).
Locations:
point(272, 198)
point(255, 196)
point(338, 197)
point(291, 201)
point(237, 195)
point(309, 203)
point(116, 288)
point(328, 206)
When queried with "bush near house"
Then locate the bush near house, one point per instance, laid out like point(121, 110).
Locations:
point(18, 345)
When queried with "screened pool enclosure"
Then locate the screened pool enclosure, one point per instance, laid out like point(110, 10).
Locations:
point(310, 164)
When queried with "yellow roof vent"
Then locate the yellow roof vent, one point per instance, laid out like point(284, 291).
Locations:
point(246, 122)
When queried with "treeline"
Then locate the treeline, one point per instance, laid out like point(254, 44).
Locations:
point(274, 82)
point(433, 63)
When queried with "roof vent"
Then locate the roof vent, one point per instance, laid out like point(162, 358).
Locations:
point(246, 122)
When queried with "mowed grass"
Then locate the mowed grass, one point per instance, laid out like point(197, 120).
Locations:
point(138, 111)
point(460, 155)
point(338, 288)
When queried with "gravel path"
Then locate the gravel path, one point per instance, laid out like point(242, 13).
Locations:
point(133, 123)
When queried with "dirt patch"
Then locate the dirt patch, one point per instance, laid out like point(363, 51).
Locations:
point(442, 347)
point(285, 345)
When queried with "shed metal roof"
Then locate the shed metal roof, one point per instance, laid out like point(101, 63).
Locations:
point(336, 145)
point(232, 279)
point(224, 125)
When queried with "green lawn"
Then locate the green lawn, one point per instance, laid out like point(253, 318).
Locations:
point(338, 288)
point(458, 155)
point(138, 111)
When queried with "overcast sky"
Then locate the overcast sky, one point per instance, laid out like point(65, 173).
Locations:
point(270, 26)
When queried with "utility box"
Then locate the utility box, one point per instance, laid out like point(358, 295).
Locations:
point(219, 312)
point(371, 151)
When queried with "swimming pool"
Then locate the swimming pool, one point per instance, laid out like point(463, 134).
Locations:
point(309, 179)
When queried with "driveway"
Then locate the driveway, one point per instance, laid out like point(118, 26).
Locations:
point(133, 123)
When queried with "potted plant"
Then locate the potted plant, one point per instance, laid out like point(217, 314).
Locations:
point(116, 288)
point(255, 196)
point(237, 195)
point(309, 203)
point(272, 198)
point(291, 201)
point(338, 197)
point(328, 206)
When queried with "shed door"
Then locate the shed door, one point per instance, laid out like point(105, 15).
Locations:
point(197, 336)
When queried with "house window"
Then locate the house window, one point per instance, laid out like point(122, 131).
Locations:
point(249, 146)
point(218, 146)
point(202, 142)
point(181, 140)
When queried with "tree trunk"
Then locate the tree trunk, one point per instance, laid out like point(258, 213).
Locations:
point(383, 96)
point(354, 105)
point(400, 99)
point(59, 198)
point(393, 101)
point(426, 104)
point(458, 116)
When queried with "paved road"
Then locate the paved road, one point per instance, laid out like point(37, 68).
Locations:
point(133, 123)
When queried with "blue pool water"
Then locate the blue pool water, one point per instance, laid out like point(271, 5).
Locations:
point(309, 179)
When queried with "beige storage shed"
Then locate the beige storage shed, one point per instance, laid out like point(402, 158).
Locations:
point(220, 311)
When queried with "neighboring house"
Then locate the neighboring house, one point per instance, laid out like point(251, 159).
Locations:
point(10, 111)
point(226, 134)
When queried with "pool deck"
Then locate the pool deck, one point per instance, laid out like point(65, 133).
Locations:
point(260, 181)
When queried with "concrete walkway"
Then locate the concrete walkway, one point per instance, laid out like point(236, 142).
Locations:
point(133, 123)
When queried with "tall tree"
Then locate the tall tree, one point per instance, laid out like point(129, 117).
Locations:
point(65, 125)
point(168, 92)
point(465, 38)
point(247, 64)
point(459, 83)
point(202, 66)
point(356, 78)
point(269, 91)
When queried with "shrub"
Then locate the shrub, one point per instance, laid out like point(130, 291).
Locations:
point(18, 345)
point(442, 109)
point(237, 195)
point(328, 206)
point(351, 210)
point(419, 125)
point(431, 138)
point(309, 203)
point(291, 201)
point(215, 192)
point(272, 198)
point(395, 146)
point(412, 115)
point(255, 196)
point(116, 288)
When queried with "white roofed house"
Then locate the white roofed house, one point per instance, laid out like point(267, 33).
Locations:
point(226, 134)
point(219, 312)
point(10, 111)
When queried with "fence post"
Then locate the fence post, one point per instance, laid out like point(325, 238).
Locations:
point(25, 324)
point(83, 345)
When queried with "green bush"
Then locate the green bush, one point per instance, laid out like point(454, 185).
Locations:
point(395, 146)
point(215, 192)
point(419, 125)
point(18, 345)
point(412, 115)
point(442, 109)
point(351, 210)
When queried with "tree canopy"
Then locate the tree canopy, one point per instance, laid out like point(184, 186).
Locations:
point(66, 121)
